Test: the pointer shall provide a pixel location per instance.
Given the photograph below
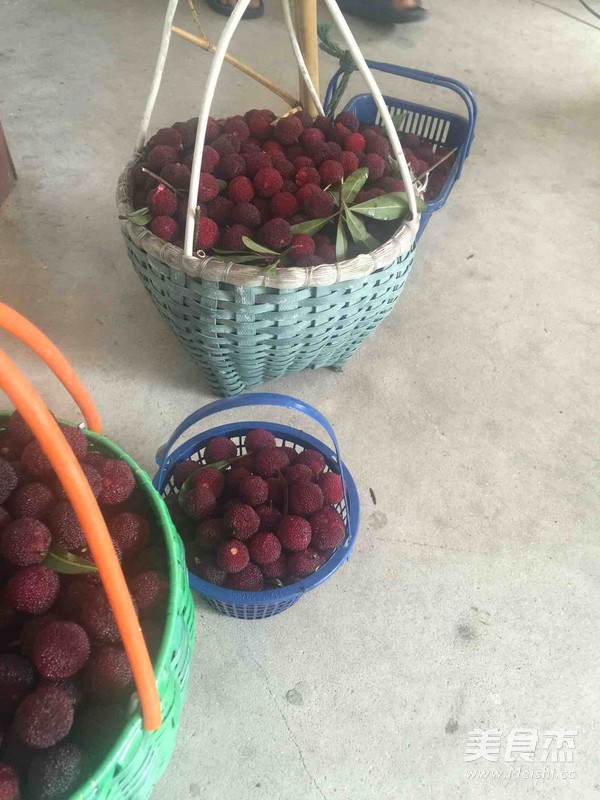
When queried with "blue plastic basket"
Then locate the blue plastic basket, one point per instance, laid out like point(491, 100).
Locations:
point(258, 605)
point(430, 124)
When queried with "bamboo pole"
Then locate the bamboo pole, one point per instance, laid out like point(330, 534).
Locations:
point(210, 48)
point(306, 29)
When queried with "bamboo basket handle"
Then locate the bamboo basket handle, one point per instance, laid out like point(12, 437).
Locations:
point(54, 445)
point(23, 329)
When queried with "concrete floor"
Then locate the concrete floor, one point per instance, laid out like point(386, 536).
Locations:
point(471, 600)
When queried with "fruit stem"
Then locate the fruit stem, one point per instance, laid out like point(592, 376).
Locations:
point(162, 180)
point(285, 492)
point(437, 163)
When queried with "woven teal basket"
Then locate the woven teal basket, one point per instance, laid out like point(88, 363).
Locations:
point(245, 335)
point(138, 757)
point(241, 325)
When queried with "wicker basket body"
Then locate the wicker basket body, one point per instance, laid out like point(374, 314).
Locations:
point(242, 336)
point(139, 757)
point(242, 324)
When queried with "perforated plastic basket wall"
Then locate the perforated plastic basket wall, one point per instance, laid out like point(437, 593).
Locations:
point(431, 124)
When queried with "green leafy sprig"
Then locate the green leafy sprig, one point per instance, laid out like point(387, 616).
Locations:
point(60, 560)
point(141, 216)
point(347, 218)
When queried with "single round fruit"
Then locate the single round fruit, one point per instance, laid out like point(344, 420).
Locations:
point(271, 460)
point(44, 718)
point(60, 650)
point(242, 521)
point(233, 556)
point(33, 590)
point(264, 548)
point(253, 490)
point(199, 503)
point(294, 533)
point(34, 500)
point(130, 531)
point(108, 672)
point(258, 439)
point(149, 590)
point(304, 563)
point(305, 498)
point(118, 482)
point(25, 542)
point(57, 772)
point(328, 529)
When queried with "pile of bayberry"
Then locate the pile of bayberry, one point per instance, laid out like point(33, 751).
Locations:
point(265, 178)
point(265, 518)
point(65, 681)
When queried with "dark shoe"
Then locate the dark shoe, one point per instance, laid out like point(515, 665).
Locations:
point(249, 13)
point(382, 11)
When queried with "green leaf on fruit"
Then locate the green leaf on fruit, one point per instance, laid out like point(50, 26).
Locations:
point(140, 217)
point(222, 184)
point(387, 206)
point(354, 183)
point(341, 240)
point(311, 226)
point(257, 248)
point(60, 560)
point(398, 119)
point(358, 231)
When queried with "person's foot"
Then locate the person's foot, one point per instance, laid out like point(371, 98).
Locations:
point(254, 10)
point(401, 4)
point(385, 11)
point(233, 3)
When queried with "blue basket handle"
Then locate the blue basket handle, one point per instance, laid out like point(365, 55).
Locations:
point(425, 77)
point(255, 399)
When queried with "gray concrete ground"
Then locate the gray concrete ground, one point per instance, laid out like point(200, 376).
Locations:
point(471, 600)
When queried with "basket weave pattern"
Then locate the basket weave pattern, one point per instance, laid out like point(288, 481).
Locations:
point(243, 336)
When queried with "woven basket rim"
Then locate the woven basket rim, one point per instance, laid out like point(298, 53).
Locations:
point(214, 269)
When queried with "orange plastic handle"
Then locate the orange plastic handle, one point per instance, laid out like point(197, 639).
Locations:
point(26, 399)
point(24, 330)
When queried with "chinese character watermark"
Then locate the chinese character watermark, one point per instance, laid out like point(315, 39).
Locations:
point(518, 745)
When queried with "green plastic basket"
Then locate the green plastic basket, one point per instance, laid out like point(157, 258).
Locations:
point(139, 757)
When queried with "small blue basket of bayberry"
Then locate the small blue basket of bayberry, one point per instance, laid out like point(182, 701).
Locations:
point(266, 511)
